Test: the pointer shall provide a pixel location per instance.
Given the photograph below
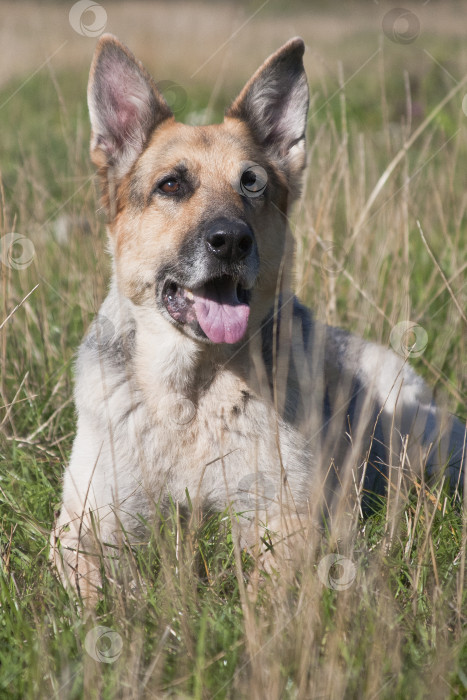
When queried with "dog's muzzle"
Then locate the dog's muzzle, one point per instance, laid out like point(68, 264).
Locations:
point(218, 308)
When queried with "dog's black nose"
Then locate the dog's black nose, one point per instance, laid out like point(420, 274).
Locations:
point(230, 241)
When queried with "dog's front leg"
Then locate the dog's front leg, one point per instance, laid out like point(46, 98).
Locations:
point(76, 552)
point(83, 537)
point(276, 542)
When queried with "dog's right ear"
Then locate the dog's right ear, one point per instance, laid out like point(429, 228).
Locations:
point(274, 104)
point(125, 107)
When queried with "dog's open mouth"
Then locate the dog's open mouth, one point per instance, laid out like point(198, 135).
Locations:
point(220, 307)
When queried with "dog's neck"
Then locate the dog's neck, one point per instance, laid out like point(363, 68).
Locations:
point(167, 358)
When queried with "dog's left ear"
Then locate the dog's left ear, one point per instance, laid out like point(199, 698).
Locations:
point(125, 106)
point(274, 104)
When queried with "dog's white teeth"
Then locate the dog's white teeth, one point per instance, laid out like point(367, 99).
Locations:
point(189, 294)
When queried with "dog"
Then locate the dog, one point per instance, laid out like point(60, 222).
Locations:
point(203, 377)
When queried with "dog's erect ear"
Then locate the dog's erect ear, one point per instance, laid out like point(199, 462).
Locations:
point(274, 104)
point(124, 106)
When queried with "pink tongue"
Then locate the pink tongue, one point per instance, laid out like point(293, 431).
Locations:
point(223, 318)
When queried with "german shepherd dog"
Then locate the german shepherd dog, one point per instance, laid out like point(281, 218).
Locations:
point(203, 380)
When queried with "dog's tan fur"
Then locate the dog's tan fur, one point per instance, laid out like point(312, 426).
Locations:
point(255, 407)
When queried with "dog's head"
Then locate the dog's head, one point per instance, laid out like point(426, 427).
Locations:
point(198, 215)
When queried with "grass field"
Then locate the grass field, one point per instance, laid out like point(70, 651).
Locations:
point(386, 99)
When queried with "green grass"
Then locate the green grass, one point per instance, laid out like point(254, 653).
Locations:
point(187, 627)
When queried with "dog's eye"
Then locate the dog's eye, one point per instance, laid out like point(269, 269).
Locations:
point(253, 181)
point(170, 186)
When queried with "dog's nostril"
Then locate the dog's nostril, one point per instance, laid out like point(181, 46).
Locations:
point(245, 244)
point(217, 240)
